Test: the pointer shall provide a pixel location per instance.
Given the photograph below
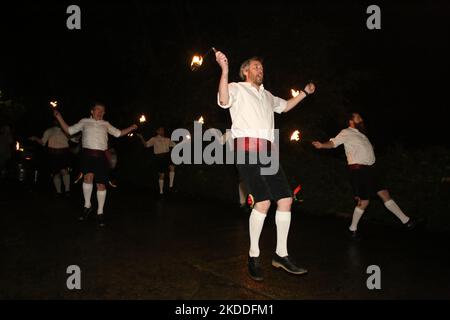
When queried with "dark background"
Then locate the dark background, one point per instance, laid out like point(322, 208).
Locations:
point(135, 57)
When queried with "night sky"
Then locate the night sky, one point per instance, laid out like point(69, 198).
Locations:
point(135, 56)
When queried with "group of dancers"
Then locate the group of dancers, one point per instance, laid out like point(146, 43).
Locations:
point(252, 109)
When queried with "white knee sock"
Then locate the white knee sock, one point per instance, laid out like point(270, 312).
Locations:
point(282, 221)
point(66, 180)
point(101, 196)
point(87, 191)
point(256, 223)
point(394, 208)
point(357, 214)
point(171, 177)
point(242, 199)
point(57, 182)
point(161, 186)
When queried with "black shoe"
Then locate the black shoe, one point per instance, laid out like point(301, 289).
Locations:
point(173, 190)
point(413, 223)
point(85, 214)
point(100, 220)
point(353, 235)
point(245, 209)
point(286, 264)
point(254, 268)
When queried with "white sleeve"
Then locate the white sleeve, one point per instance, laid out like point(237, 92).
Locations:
point(278, 104)
point(232, 92)
point(77, 127)
point(45, 137)
point(339, 139)
point(113, 130)
point(150, 142)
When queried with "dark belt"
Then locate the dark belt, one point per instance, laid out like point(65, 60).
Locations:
point(357, 166)
point(249, 144)
point(93, 152)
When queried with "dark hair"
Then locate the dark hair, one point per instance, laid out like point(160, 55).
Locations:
point(97, 103)
point(246, 63)
point(351, 115)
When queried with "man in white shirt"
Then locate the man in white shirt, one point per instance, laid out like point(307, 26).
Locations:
point(252, 113)
point(58, 155)
point(364, 177)
point(161, 148)
point(94, 164)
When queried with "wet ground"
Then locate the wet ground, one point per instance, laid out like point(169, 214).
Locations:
point(185, 248)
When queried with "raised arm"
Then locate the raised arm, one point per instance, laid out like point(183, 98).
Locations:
point(126, 131)
point(291, 103)
point(224, 95)
point(61, 121)
point(325, 145)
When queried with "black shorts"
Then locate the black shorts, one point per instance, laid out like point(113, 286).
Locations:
point(365, 180)
point(58, 159)
point(163, 161)
point(95, 161)
point(264, 187)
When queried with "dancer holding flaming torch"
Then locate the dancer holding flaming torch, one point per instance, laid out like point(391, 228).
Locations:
point(252, 110)
point(94, 164)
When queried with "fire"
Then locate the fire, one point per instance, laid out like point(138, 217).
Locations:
point(196, 62)
point(295, 136)
point(18, 148)
point(54, 104)
point(295, 93)
point(130, 134)
point(201, 120)
point(142, 119)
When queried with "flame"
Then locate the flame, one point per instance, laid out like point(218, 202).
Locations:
point(295, 135)
point(17, 146)
point(196, 62)
point(201, 120)
point(54, 104)
point(130, 134)
point(142, 119)
point(295, 93)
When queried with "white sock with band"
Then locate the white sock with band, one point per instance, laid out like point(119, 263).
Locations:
point(101, 196)
point(161, 186)
point(66, 180)
point(282, 221)
point(87, 191)
point(57, 182)
point(256, 223)
point(357, 214)
point(171, 177)
point(394, 208)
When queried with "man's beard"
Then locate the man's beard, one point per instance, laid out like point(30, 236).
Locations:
point(361, 127)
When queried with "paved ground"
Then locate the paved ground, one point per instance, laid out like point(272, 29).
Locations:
point(179, 248)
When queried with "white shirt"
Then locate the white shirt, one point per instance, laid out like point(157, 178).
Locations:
point(358, 148)
point(252, 110)
point(95, 133)
point(160, 144)
point(55, 138)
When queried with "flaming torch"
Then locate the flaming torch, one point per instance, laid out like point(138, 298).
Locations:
point(201, 120)
point(54, 104)
point(18, 148)
point(295, 136)
point(197, 60)
point(295, 93)
point(142, 119)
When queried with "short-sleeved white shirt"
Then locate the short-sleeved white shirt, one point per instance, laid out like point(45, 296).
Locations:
point(95, 133)
point(358, 148)
point(252, 110)
point(55, 138)
point(160, 144)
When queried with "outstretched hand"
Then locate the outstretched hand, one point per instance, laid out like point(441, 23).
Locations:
point(317, 144)
point(222, 60)
point(310, 88)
